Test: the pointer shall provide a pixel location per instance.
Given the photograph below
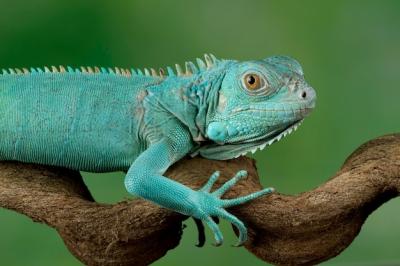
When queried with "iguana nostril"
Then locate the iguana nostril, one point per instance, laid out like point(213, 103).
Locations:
point(304, 95)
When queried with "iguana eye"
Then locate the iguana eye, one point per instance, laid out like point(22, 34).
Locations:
point(255, 84)
point(252, 81)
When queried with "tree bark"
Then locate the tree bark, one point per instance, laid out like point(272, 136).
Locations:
point(286, 230)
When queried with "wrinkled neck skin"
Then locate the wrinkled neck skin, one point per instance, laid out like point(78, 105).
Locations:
point(191, 99)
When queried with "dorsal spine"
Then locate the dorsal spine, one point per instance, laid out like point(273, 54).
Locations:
point(190, 68)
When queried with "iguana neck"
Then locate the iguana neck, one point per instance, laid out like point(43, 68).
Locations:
point(191, 99)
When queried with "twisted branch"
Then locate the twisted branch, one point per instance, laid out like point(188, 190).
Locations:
point(303, 230)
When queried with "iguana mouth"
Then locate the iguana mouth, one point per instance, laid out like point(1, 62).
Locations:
point(234, 150)
point(262, 143)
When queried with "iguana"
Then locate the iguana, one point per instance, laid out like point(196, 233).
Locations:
point(141, 122)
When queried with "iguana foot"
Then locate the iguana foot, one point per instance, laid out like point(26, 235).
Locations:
point(208, 204)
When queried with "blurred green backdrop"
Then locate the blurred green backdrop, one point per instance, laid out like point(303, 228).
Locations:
point(350, 51)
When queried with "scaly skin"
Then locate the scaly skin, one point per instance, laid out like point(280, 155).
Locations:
point(105, 120)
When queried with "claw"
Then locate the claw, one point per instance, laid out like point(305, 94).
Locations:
point(217, 232)
point(202, 236)
point(238, 224)
point(238, 245)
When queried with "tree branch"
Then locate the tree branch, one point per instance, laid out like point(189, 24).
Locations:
point(303, 230)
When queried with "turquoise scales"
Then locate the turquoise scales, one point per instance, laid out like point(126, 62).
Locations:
point(141, 122)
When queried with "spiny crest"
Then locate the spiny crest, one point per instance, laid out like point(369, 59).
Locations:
point(208, 62)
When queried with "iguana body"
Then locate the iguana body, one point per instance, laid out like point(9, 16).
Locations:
point(107, 120)
point(86, 122)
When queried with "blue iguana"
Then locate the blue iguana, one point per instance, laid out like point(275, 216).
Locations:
point(141, 122)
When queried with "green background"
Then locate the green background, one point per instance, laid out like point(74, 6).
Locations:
point(350, 52)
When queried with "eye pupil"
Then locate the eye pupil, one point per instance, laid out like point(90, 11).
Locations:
point(251, 79)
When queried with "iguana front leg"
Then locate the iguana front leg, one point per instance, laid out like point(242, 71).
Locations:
point(145, 178)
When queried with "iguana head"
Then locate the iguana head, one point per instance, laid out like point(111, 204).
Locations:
point(259, 102)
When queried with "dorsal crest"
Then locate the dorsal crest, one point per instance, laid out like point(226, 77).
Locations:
point(189, 69)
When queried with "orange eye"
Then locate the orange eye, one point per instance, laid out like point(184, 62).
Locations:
point(252, 81)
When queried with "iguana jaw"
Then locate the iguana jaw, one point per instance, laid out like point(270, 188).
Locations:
point(234, 150)
point(261, 144)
